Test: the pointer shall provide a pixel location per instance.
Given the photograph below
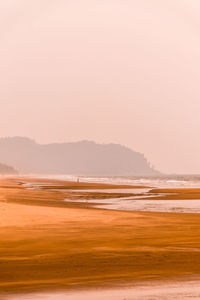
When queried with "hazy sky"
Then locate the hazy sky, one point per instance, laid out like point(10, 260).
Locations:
point(124, 71)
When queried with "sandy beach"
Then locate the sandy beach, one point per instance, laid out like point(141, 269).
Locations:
point(166, 290)
point(99, 150)
point(48, 244)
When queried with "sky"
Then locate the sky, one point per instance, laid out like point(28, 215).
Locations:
point(122, 71)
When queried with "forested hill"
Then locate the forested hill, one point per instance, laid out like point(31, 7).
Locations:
point(80, 158)
point(7, 170)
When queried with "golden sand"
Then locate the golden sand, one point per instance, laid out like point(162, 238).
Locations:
point(46, 244)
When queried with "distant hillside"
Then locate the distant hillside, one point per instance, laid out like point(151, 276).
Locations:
point(80, 158)
point(7, 170)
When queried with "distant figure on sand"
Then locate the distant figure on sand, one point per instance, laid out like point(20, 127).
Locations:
point(77, 180)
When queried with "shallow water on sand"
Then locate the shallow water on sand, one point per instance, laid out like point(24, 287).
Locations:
point(135, 203)
point(148, 204)
point(165, 291)
point(171, 206)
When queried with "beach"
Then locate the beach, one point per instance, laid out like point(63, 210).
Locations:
point(172, 290)
point(48, 244)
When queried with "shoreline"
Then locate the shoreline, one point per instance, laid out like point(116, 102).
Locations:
point(181, 288)
point(46, 245)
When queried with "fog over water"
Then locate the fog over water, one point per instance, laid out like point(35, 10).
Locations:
point(104, 70)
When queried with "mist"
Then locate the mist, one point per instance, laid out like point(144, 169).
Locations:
point(110, 71)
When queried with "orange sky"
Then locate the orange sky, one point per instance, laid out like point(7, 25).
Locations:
point(124, 71)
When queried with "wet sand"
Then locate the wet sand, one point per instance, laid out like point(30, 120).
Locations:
point(47, 244)
point(169, 290)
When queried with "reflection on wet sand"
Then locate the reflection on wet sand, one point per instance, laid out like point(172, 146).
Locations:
point(176, 290)
point(176, 200)
point(49, 244)
point(137, 204)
